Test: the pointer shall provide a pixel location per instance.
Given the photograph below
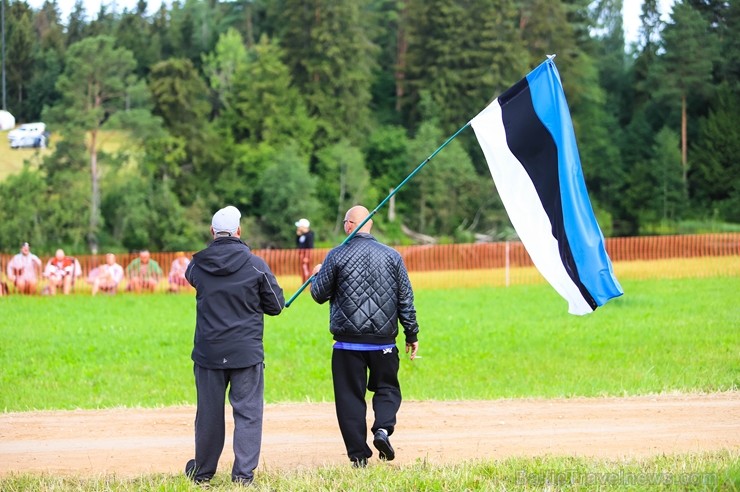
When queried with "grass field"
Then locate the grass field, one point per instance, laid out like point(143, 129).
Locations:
point(479, 343)
point(662, 336)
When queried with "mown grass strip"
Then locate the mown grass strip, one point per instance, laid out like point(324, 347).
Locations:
point(482, 343)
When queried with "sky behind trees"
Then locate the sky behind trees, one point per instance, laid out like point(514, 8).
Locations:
point(631, 10)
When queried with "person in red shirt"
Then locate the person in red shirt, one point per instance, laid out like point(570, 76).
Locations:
point(61, 272)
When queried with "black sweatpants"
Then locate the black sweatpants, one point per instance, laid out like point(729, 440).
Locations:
point(246, 394)
point(353, 373)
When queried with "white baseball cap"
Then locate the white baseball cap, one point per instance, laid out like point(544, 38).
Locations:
point(226, 220)
point(303, 223)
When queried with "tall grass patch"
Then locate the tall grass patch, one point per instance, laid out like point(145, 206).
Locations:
point(478, 343)
point(701, 471)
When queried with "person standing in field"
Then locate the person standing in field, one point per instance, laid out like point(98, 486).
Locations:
point(304, 243)
point(369, 291)
point(24, 270)
point(234, 290)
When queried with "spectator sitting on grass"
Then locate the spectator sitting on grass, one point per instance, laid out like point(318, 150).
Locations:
point(61, 271)
point(177, 272)
point(24, 269)
point(107, 276)
point(143, 273)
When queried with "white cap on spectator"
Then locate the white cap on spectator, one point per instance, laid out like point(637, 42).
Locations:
point(303, 223)
point(226, 220)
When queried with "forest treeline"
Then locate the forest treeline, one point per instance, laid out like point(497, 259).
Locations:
point(301, 108)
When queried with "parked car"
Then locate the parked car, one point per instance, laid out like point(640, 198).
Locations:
point(29, 135)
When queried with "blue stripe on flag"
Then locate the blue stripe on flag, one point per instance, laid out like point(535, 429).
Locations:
point(527, 138)
point(584, 236)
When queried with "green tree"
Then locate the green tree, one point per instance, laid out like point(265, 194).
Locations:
point(192, 29)
point(65, 208)
point(714, 179)
point(103, 23)
point(20, 221)
point(19, 56)
point(263, 105)
point(463, 54)
point(93, 87)
point(445, 195)
point(180, 98)
point(646, 53)
point(42, 92)
point(76, 24)
point(690, 50)
point(49, 28)
point(387, 157)
point(146, 214)
point(386, 29)
point(287, 191)
point(656, 190)
point(345, 181)
point(221, 66)
point(729, 64)
point(48, 60)
point(134, 32)
point(331, 58)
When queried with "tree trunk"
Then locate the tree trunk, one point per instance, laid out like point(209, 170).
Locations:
point(684, 159)
point(392, 207)
point(92, 238)
point(340, 202)
point(401, 49)
point(250, 26)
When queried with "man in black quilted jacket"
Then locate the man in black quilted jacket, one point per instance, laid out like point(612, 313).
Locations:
point(234, 290)
point(369, 291)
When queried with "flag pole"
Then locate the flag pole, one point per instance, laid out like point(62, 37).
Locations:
point(381, 204)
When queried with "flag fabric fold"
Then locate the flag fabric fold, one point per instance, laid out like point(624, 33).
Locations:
point(527, 137)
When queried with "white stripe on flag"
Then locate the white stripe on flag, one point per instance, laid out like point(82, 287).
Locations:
point(523, 205)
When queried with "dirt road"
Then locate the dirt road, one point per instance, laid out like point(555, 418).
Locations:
point(131, 442)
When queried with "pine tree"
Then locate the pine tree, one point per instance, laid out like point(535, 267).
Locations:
point(332, 60)
point(690, 50)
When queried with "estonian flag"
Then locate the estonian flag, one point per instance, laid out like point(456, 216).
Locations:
point(527, 137)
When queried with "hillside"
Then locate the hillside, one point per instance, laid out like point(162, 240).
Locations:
point(11, 160)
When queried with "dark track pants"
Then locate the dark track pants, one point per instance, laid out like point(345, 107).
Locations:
point(350, 370)
point(246, 394)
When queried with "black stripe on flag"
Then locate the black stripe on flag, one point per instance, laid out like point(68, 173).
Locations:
point(533, 145)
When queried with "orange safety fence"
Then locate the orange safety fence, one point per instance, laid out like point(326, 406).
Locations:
point(486, 264)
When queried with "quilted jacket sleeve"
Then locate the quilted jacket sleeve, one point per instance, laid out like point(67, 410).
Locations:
point(322, 286)
point(406, 309)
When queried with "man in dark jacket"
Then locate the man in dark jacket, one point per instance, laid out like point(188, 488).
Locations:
point(369, 291)
point(234, 290)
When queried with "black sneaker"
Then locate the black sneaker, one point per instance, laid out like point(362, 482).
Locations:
point(190, 470)
point(243, 481)
point(383, 445)
point(359, 463)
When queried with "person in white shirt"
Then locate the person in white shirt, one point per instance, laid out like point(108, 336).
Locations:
point(24, 269)
point(107, 276)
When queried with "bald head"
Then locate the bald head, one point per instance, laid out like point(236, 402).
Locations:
point(354, 216)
